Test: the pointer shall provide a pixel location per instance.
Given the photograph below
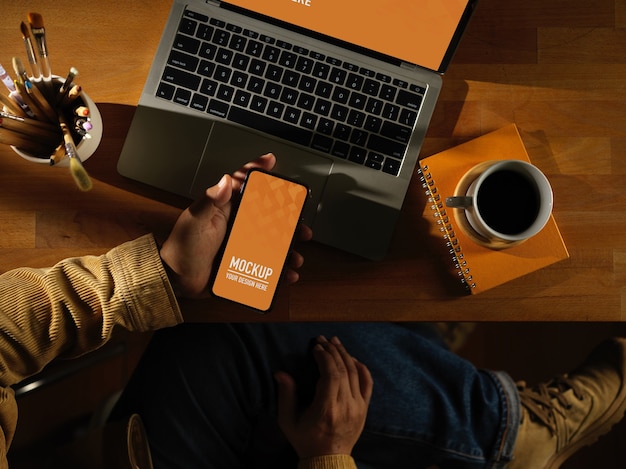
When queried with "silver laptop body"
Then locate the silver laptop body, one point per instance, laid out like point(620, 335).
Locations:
point(187, 132)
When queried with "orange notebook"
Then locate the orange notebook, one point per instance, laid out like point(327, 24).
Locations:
point(480, 268)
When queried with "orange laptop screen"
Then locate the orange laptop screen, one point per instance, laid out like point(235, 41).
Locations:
point(415, 31)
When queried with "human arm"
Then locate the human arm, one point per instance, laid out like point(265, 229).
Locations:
point(324, 434)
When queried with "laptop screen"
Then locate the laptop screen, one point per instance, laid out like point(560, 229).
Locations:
point(418, 32)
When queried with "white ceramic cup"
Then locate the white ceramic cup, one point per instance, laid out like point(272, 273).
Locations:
point(508, 202)
point(87, 146)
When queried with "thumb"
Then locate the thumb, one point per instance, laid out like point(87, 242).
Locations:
point(287, 401)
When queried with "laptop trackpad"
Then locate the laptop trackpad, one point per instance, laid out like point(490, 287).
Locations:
point(230, 147)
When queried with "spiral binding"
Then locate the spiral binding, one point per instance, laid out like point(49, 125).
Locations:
point(446, 229)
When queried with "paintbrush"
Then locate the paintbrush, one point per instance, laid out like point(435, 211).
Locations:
point(30, 51)
point(82, 179)
point(35, 20)
point(67, 84)
point(33, 92)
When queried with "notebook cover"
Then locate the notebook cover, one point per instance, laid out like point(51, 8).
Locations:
point(479, 267)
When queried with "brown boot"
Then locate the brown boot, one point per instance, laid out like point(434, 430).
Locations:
point(571, 411)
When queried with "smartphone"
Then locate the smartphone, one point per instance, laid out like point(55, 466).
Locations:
point(259, 239)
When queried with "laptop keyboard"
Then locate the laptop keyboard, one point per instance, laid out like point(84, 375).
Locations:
point(291, 92)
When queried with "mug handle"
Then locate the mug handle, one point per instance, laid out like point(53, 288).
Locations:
point(458, 201)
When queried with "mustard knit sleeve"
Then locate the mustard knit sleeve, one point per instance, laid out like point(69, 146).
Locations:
point(332, 461)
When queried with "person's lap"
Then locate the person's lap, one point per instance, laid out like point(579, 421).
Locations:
point(207, 396)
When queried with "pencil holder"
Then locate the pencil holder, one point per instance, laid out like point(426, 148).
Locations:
point(84, 121)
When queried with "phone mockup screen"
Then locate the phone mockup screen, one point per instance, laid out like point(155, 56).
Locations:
point(259, 240)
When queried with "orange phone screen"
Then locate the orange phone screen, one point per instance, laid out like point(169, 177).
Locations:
point(260, 239)
point(415, 31)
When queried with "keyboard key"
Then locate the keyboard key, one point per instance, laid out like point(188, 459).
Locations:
point(272, 90)
point(325, 126)
point(271, 54)
point(307, 84)
point(254, 48)
point(240, 62)
point(205, 32)
point(222, 74)
point(354, 82)
point(291, 78)
point(288, 59)
point(224, 56)
point(181, 78)
point(357, 155)
point(196, 16)
point(187, 26)
point(209, 87)
point(199, 102)
point(322, 143)
point(408, 117)
point(408, 99)
point(242, 98)
point(391, 166)
point(256, 85)
point(289, 96)
point(322, 107)
point(323, 89)
point(387, 92)
point(221, 37)
point(208, 50)
point(274, 72)
point(258, 104)
point(338, 76)
point(339, 112)
point(321, 70)
point(306, 101)
point(275, 109)
point(340, 150)
point(238, 43)
point(304, 65)
point(206, 68)
point(182, 60)
point(341, 95)
point(386, 146)
point(270, 126)
point(165, 91)
point(239, 80)
point(371, 87)
point(217, 108)
point(308, 120)
point(292, 115)
point(225, 93)
point(396, 132)
point(186, 44)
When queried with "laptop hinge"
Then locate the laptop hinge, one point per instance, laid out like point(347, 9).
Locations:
point(213, 2)
point(408, 65)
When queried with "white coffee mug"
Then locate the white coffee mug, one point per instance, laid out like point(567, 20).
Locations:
point(508, 202)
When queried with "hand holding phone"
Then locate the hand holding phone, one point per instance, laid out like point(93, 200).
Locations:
point(259, 239)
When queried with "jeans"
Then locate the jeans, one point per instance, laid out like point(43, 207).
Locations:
point(207, 397)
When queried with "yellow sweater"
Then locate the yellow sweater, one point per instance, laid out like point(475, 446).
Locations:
point(72, 308)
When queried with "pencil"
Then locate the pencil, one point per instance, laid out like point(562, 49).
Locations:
point(12, 106)
point(39, 134)
point(22, 142)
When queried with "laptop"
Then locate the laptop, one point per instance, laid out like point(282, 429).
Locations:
point(341, 93)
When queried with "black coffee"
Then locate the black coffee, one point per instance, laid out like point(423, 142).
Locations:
point(508, 201)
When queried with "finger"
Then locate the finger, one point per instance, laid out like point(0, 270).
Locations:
point(329, 381)
point(366, 382)
point(351, 373)
point(221, 193)
point(287, 401)
point(265, 162)
point(305, 232)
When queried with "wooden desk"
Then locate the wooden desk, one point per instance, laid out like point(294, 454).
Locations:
point(558, 73)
